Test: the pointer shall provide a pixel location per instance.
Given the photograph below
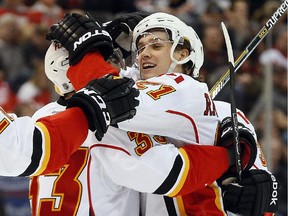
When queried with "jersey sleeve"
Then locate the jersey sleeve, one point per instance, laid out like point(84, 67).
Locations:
point(164, 169)
point(28, 148)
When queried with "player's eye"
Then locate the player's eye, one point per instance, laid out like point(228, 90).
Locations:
point(157, 45)
point(140, 49)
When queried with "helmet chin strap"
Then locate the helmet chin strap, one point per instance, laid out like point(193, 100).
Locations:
point(175, 62)
point(172, 66)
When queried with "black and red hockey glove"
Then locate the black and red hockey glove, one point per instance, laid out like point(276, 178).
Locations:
point(81, 34)
point(255, 194)
point(106, 101)
point(121, 30)
point(248, 146)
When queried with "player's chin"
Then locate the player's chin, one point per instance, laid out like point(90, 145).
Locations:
point(147, 73)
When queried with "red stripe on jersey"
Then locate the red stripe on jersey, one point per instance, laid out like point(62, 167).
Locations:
point(3, 125)
point(111, 147)
point(190, 119)
point(92, 212)
point(243, 117)
point(179, 79)
point(33, 194)
point(89, 187)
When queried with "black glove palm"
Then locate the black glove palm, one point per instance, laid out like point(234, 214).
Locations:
point(79, 35)
point(106, 101)
point(121, 29)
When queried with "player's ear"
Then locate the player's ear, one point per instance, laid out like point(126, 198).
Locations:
point(183, 54)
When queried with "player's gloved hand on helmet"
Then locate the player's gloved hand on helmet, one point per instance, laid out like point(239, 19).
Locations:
point(248, 146)
point(256, 193)
point(121, 29)
point(106, 101)
point(81, 34)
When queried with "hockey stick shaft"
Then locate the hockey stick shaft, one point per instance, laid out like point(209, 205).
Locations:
point(223, 80)
point(233, 101)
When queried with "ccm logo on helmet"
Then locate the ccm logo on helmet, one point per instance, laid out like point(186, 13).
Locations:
point(274, 198)
point(89, 35)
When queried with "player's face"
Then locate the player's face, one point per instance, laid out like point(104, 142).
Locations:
point(154, 54)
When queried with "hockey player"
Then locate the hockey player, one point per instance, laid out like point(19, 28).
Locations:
point(58, 141)
point(43, 201)
point(156, 44)
point(86, 162)
point(28, 148)
point(146, 66)
point(39, 157)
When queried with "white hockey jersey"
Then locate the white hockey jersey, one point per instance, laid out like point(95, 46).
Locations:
point(56, 139)
point(65, 190)
point(206, 200)
point(175, 105)
point(108, 161)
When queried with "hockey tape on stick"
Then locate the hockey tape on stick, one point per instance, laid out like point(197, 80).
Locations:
point(233, 100)
point(219, 85)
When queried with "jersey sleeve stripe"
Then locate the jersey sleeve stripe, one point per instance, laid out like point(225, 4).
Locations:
point(190, 119)
point(171, 179)
point(170, 206)
point(46, 146)
point(184, 174)
point(218, 199)
point(36, 155)
point(111, 147)
point(243, 117)
point(181, 207)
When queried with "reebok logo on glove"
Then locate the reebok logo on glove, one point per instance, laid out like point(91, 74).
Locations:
point(88, 35)
point(274, 194)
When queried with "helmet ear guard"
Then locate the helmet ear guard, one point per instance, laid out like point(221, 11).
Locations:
point(56, 65)
point(179, 32)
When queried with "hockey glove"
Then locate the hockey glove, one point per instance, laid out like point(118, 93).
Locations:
point(255, 194)
point(248, 146)
point(121, 29)
point(106, 101)
point(79, 35)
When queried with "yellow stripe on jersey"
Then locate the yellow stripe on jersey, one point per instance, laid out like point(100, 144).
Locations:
point(46, 149)
point(218, 199)
point(4, 123)
point(184, 175)
point(181, 206)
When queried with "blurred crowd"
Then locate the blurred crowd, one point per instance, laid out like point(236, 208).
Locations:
point(24, 87)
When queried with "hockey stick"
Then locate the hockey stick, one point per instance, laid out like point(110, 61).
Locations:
point(219, 85)
point(233, 100)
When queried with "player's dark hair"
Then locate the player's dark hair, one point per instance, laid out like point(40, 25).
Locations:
point(188, 66)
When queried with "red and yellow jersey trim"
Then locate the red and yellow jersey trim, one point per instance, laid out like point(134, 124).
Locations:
point(46, 143)
point(185, 171)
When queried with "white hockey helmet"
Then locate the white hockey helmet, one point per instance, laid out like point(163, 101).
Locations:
point(56, 66)
point(179, 32)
